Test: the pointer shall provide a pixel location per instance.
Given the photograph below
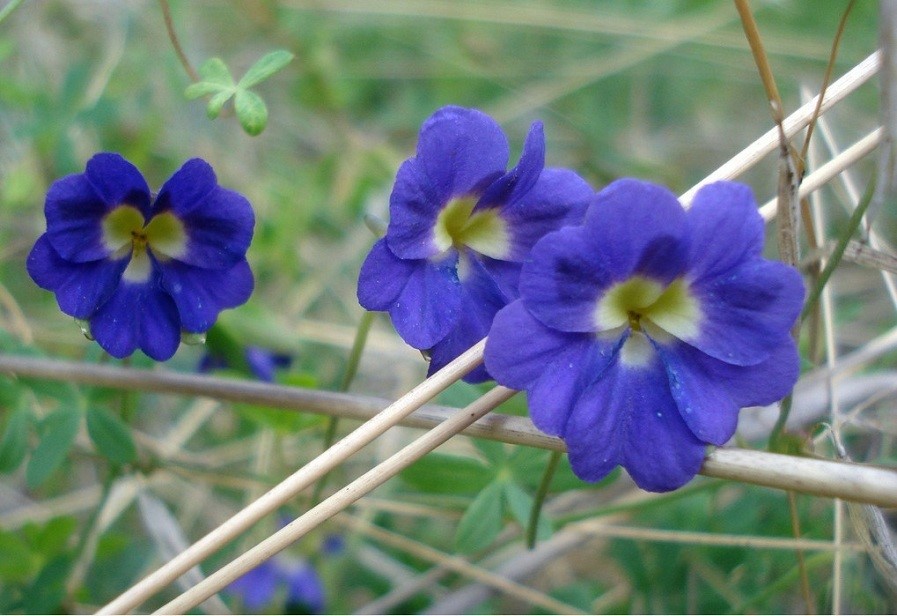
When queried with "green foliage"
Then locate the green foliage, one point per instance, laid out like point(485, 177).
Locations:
point(218, 82)
point(14, 444)
point(57, 433)
point(111, 436)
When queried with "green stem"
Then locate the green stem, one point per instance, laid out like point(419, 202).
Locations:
point(358, 344)
point(835, 258)
point(541, 493)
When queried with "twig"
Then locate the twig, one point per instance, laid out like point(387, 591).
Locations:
point(173, 37)
point(768, 142)
point(339, 501)
point(297, 482)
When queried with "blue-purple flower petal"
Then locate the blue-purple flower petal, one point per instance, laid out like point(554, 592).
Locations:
point(138, 316)
point(726, 229)
point(218, 222)
point(117, 181)
point(628, 417)
point(200, 294)
point(257, 587)
point(745, 312)
point(80, 288)
point(429, 304)
point(304, 587)
point(518, 181)
point(558, 199)
point(382, 278)
point(552, 366)
point(459, 153)
point(481, 298)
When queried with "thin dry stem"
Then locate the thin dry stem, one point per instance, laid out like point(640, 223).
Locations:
point(297, 482)
point(339, 501)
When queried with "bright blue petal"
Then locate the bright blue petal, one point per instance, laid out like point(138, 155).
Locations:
point(726, 229)
point(709, 393)
point(629, 417)
point(563, 278)
point(201, 294)
point(631, 228)
point(382, 278)
point(459, 153)
point(505, 274)
point(518, 181)
point(264, 363)
point(481, 298)
point(429, 304)
point(552, 366)
point(559, 198)
point(76, 204)
point(118, 182)
point(138, 315)
point(218, 222)
point(639, 228)
point(80, 288)
point(746, 313)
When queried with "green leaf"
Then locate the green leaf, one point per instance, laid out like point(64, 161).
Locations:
point(217, 102)
point(447, 474)
point(215, 71)
point(51, 539)
point(521, 504)
point(46, 593)
point(17, 563)
point(111, 436)
point(266, 66)
point(493, 451)
point(14, 444)
point(251, 111)
point(481, 523)
point(58, 430)
point(221, 342)
point(203, 88)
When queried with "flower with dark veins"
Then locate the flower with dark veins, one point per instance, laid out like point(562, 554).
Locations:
point(640, 334)
point(460, 228)
point(141, 270)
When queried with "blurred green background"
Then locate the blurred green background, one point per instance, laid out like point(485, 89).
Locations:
point(666, 91)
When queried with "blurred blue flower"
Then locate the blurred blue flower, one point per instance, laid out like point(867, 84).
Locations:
point(302, 589)
point(262, 363)
point(639, 335)
point(460, 227)
point(142, 270)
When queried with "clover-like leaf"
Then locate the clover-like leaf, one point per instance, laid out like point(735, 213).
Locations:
point(481, 523)
point(266, 66)
point(251, 111)
point(203, 88)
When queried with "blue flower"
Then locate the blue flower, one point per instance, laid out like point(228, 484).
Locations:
point(460, 227)
point(258, 588)
point(639, 335)
point(142, 270)
point(261, 363)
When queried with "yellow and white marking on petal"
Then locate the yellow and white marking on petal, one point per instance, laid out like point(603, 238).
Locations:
point(124, 231)
point(484, 231)
point(673, 309)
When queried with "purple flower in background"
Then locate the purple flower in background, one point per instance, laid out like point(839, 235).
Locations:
point(301, 585)
point(460, 227)
point(261, 363)
point(639, 335)
point(142, 270)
